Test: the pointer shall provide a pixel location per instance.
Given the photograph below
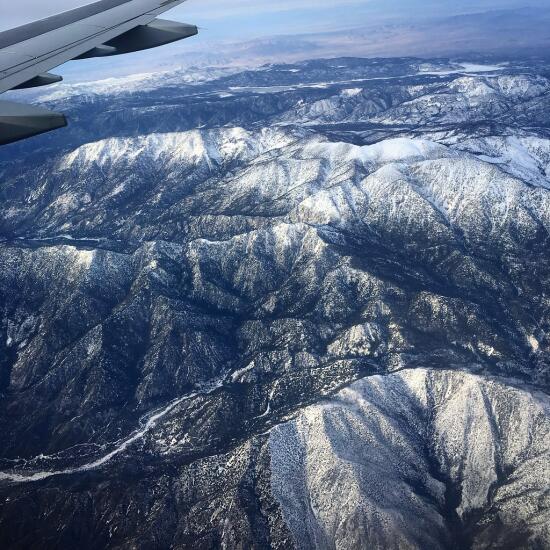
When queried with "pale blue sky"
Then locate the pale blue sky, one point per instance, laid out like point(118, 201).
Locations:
point(254, 18)
point(227, 24)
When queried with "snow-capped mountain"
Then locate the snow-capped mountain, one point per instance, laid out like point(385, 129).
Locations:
point(419, 459)
point(300, 306)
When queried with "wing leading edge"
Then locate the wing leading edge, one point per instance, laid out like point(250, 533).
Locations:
point(104, 28)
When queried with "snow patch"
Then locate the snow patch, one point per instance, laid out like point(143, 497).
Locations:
point(387, 151)
point(83, 258)
point(352, 92)
point(534, 343)
point(487, 349)
point(238, 374)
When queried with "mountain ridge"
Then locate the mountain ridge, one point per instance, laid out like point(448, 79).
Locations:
point(209, 336)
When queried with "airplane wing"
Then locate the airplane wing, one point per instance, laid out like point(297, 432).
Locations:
point(104, 28)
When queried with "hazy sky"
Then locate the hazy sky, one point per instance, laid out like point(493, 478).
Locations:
point(224, 23)
point(222, 17)
point(254, 18)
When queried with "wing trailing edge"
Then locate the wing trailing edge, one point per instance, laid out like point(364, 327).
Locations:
point(40, 80)
point(144, 37)
point(23, 121)
point(157, 33)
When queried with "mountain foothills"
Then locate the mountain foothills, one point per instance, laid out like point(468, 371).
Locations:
point(301, 306)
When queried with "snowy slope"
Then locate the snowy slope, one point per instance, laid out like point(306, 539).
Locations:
point(420, 459)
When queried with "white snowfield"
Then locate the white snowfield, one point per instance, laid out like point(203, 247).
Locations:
point(178, 148)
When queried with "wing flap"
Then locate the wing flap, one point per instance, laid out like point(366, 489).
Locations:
point(157, 33)
point(44, 79)
point(23, 121)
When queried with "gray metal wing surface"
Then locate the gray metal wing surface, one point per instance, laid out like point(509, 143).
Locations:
point(103, 28)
